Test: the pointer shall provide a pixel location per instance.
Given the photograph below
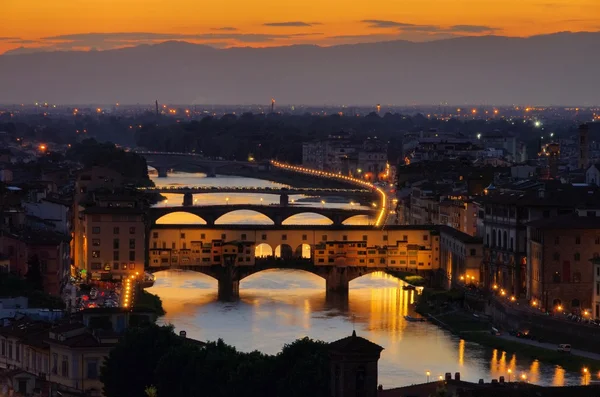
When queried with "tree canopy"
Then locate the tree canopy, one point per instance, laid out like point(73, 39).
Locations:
point(155, 358)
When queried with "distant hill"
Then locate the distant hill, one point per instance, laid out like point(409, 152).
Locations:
point(555, 69)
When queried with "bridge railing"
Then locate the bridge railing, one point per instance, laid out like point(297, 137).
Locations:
point(245, 189)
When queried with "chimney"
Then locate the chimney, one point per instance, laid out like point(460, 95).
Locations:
point(457, 376)
point(183, 334)
point(448, 376)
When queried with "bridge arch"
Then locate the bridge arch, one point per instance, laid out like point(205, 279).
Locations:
point(284, 251)
point(180, 218)
point(307, 218)
point(263, 250)
point(244, 217)
point(303, 251)
point(358, 220)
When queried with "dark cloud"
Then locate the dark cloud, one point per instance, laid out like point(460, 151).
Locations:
point(290, 24)
point(23, 41)
point(225, 29)
point(472, 29)
point(9, 38)
point(410, 27)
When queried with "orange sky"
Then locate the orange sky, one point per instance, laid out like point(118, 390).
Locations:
point(35, 23)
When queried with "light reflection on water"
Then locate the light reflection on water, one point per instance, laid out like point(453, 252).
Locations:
point(278, 306)
point(241, 217)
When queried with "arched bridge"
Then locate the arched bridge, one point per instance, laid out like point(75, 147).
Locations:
point(164, 161)
point(276, 213)
point(260, 190)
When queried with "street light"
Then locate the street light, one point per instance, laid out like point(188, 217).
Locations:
point(509, 372)
point(585, 375)
point(261, 201)
point(323, 203)
point(227, 200)
point(166, 202)
point(524, 377)
point(428, 373)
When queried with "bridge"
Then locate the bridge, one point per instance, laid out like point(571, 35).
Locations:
point(338, 254)
point(276, 213)
point(165, 161)
point(284, 192)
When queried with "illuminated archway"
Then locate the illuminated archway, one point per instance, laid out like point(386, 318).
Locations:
point(180, 218)
point(246, 217)
point(303, 251)
point(307, 218)
point(359, 220)
point(263, 250)
point(284, 251)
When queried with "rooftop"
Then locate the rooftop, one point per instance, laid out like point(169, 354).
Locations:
point(568, 221)
point(458, 235)
point(355, 345)
point(113, 210)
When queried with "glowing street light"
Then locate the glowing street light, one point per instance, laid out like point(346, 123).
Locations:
point(428, 373)
point(227, 200)
point(524, 377)
point(261, 201)
point(585, 376)
point(509, 373)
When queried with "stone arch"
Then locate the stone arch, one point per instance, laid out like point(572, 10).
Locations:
point(303, 251)
point(301, 219)
point(180, 218)
point(244, 217)
point(284, 251)
point(505, 240)
point(263, 250)
point(281, 267)
point(358, 220)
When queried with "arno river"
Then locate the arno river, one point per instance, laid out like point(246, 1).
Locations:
point(279, 306)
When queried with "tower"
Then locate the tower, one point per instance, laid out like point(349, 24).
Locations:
point(272, 105)
point(354, 367)
point(584, 149)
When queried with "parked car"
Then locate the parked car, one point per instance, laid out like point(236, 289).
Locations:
point(564, 348)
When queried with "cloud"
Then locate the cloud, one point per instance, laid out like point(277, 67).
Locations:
point(290, 24)
point(24, 41)
point(411, 27)
point(9, 38)
point(226, 29)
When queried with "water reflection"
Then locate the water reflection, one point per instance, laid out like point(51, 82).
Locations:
point(278, 306)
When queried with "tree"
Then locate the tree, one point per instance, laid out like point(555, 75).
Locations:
point(34, 274)
point(130, 366)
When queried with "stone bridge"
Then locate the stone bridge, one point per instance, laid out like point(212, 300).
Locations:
point(165, 161)
point(276, 213)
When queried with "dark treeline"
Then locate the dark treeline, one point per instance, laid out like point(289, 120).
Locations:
point(155, 358)
point(264, 136)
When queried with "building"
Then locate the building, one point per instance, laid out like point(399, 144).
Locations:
point(460, 256)
point(113, 241)
point(592, 175)
point(560, 255)
point(459, 213)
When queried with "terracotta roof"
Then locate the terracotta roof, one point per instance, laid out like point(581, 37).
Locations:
point(355, 345)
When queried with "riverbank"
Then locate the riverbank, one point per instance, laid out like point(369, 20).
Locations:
point(444, 309)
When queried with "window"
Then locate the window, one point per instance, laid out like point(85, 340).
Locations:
point(116, 230)
point(473, 251)
point(92, 369)
point(132, 230)
point(425, 237)
point(324, 237)
point(64, 368)
point(263, 237)
point(131, 243)
point(96, 266)
point(202, 236)
point(577, 256)
point(3, 348)
point(556, 277)
point(578, 240)
point(124, 266)
point(244, 236)
point(96, 230)
point(385, 237)
point(364, 237)
point(115, 255)
point(556, 256)
point(154, 234)
point(10, 350)
point(181, 235)
point(576, 277)
point(345, 238)
point(95, 254)
point(597, 240)
point(96, 242)
point(131, 255)
point(223, 237)
point(597, 289)
point(131, 266)
point(405, 238)
point(116, 266)
point(304, 237)
point(54, 364)
point(17, 352)
point(116, 244)
point(284, 237)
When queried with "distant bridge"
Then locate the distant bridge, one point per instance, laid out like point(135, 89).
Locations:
point(165, 161)
point(276, 213)
point(359, 193)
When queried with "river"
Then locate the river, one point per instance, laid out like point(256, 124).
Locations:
point(278, 306)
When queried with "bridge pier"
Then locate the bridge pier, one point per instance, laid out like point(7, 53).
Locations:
point(188, 199)
point(229, 289)
point(162, 171)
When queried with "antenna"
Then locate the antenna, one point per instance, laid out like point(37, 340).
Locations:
point(353, 320)
point(272, 105)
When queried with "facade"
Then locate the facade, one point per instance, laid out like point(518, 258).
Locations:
point(52, 251)
point(460, 256)
point(396, 246)
point(592, 175)
point(459, 213)
point(560, 256)
point(113, 242)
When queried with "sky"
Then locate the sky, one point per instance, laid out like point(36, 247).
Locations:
point(106, 24)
